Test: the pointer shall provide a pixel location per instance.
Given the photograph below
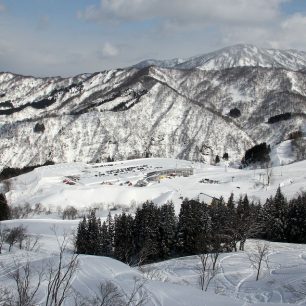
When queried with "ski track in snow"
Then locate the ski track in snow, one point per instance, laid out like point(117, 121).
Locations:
point(176, 279)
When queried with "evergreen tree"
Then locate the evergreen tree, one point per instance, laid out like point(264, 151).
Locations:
point(94, 234)
point(105, 241)
point(231, 204)
point(296, 230)
point(243, 220)
point(274, 215)
point(123, 238)
point(146, 230)
point(81, 238)
point(219, 222)
point(281, 209)
point(111, 231)
point(218, 214)
point(267, 217)
point(167, 230)
point(193, 227)
point(4, 208)
point(231, 226)
point(243, 209)
point(217, 159)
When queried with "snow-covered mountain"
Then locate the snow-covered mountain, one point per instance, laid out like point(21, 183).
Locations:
point(172, 63)
point(160, 112)
point(237, 56)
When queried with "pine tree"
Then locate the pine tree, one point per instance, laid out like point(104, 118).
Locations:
point(243, 219)
point(218, 213)
point(296, 230)
point(230, 203)
point(219, 221)
point(123, 238)
point(231, 226)
point(281, 209)
point(81, 238)
point(4, 208)
point(104, 241)
point(167, 230)
point(267, 217)
point(193, 227)
point(111, 231)
point(274, 215)
point(94, 234)
point(146, 230)
point(217, 159)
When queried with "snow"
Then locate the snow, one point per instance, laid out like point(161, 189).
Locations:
point(172, 282)
point(240, 55)
point(282, 154)
point(281, 282)
point(108, 185)
point(171, 113)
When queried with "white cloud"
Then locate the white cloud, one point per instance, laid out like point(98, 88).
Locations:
point(288, 33)
point(177, 28)
point(109, 50)
point(182, 11)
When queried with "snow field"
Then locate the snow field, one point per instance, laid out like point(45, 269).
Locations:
point(173, 282)
point(112, 184)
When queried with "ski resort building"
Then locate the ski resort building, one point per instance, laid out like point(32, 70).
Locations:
point(158, 175)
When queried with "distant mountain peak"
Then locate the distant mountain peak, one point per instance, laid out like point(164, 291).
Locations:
point(240, 55)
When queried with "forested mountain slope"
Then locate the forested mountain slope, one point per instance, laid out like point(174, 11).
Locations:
point(159, 112)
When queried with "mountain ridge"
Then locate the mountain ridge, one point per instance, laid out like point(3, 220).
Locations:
point(239, 55)
point(154, 112)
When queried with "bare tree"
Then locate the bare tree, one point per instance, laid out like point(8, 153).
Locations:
point(5, 297)
point(108, 295)
point(70, 213)
point(300, 148)
point(151, 273)
point(269, 172)
point(59, 274)
point(259, 257)
point(26, 287)
point(16, 234)
point(146, 251)
point(22, 235)
point(28, 281)
point(139, 295)
point(32, 243)
point(207, 269)
point(3, 234)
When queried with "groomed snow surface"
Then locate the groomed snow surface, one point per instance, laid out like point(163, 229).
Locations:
point(176, 281)
point(172, 282)
point(110, 184)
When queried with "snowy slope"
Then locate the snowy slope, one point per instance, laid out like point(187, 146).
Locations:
point(237, 56)
point(173, 282)
point(160, 63)
point(154, 111)
point(112, 184)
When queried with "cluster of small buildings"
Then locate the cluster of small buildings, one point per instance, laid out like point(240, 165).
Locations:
point(157, 176)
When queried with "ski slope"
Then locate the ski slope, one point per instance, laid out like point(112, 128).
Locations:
point(110, 185)
point(173, 282)
point(176, 281)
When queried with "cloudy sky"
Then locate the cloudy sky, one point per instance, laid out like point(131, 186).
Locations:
point(67, 37)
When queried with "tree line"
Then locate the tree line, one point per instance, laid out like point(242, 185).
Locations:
point(156, 233)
